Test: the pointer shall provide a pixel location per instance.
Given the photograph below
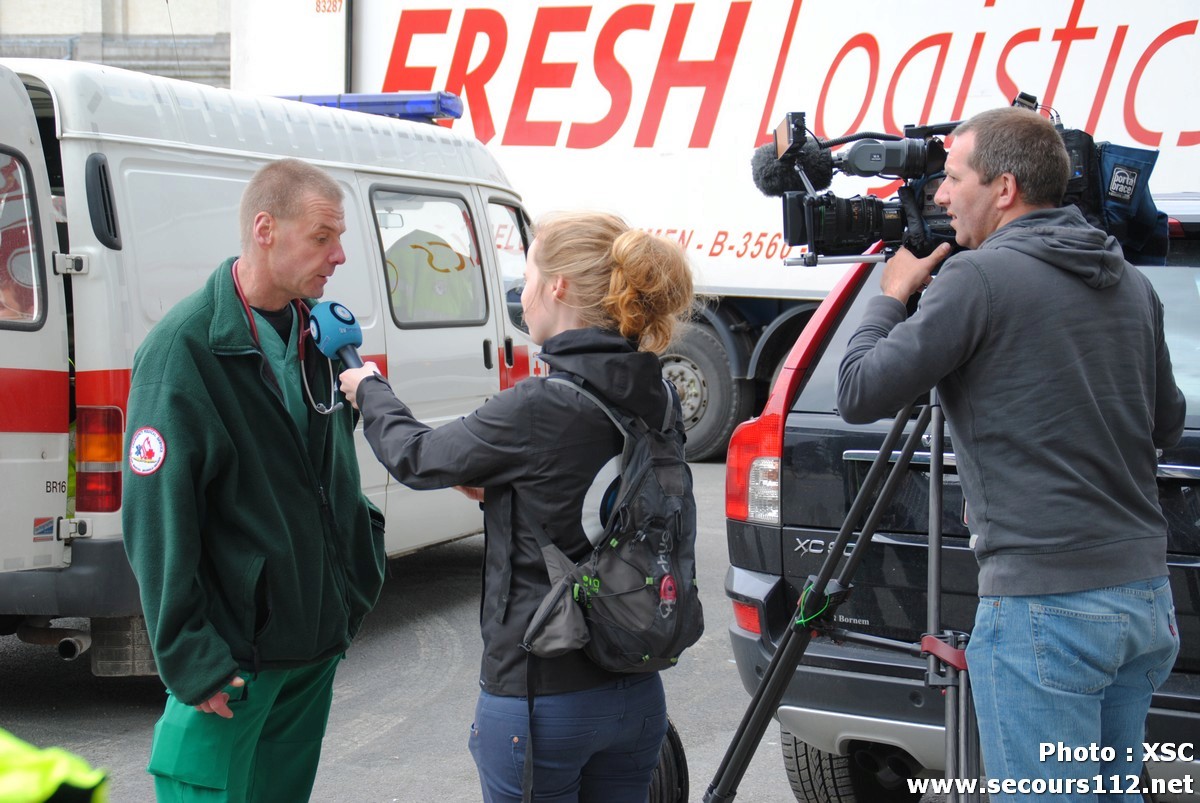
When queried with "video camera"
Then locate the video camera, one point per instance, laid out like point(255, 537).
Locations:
point(827, 225)
point(1107, 181)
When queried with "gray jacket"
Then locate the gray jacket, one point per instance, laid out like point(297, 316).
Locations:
point(1048, 354)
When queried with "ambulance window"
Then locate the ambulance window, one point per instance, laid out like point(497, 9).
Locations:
point(20, 288)
point(510, 235)
point(431, 260)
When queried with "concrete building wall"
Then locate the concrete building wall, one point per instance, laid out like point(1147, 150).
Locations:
point(186, 39)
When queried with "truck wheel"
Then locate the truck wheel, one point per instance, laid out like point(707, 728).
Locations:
point(713, 401)
point(669, 784)
point(819, 777)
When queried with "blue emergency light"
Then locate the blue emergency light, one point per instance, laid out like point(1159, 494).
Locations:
point(419, 106)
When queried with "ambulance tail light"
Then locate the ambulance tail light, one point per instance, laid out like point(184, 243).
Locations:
point(99, 433)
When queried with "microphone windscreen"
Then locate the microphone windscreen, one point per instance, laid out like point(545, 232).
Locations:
point(771, 176)
point(775, 176)
point(333, 327)
point(817, 163)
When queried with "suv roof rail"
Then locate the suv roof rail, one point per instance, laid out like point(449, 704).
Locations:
point(423, 107)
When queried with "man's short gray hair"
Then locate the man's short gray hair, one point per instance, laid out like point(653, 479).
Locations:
point(279, 189)
point(1025, 144)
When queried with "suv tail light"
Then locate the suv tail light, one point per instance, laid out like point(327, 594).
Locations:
point(99, 432)
point(752, 469)
point(755, 450)
point(746, 617)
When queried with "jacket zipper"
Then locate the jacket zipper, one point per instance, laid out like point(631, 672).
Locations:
point(333, 553)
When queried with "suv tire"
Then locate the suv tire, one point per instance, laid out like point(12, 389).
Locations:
point(819, 777)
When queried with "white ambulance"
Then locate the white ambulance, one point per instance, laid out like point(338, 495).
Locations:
point(118, 197)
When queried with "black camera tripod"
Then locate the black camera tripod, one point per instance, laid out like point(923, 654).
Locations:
point(943, 650)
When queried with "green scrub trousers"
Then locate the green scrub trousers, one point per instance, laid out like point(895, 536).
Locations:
point(267, 752)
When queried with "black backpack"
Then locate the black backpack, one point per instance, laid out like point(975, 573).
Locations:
point(631, 604)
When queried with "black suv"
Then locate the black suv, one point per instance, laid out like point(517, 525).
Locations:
point(856, 720)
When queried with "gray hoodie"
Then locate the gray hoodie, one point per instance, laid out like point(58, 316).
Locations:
point(1047, 351)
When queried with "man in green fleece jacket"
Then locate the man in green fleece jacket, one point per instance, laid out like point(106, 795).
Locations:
point(256, 553)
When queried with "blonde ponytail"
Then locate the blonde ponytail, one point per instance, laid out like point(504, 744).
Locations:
point(627, 280)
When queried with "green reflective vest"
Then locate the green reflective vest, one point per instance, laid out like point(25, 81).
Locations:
point(32, 775)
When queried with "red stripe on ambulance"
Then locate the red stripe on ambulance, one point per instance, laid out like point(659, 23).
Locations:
point(33, 400)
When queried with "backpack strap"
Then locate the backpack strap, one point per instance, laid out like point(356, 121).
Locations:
point(668, 415)
point(595, 400)
point(531, 670)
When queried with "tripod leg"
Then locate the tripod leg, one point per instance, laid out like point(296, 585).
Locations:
point(813, 604)
point(968, 734)
point(754, 722)
point(962, 733)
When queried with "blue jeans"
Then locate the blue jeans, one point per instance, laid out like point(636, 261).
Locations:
point(601, 744)
point(1072, 671)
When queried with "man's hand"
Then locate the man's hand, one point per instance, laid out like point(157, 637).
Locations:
point(350, 379)
point(219, 703)
point(904, 274)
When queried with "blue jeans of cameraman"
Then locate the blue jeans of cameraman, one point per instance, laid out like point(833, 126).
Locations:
point(1074, 669)
point(600, 745)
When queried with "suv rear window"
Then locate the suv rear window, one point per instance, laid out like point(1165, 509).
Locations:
point(1178, 287)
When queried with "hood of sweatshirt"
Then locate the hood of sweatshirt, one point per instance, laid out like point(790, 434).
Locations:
point(612, 366)
point(1062, 238)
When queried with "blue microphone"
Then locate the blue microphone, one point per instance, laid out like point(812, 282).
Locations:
point(336, 332)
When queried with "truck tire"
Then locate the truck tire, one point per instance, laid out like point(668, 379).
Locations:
point(669, 784)
point(713, 401)
point(819, 777)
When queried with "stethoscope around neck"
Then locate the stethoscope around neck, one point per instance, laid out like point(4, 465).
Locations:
point(301, 332)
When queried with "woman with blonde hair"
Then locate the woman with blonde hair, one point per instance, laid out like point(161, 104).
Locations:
point(600, 299)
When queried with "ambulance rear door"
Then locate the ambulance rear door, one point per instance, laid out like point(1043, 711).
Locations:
point(34, 379)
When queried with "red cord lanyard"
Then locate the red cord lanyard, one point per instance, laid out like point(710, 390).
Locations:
point(301, 313)
point(302, 319)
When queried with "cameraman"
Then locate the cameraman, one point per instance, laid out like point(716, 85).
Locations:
point(1047, 351)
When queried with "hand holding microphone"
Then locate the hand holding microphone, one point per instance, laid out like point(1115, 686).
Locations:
point(350, 379)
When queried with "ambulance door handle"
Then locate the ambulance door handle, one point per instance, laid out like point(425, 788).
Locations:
point(487, 354)
point(508, 352)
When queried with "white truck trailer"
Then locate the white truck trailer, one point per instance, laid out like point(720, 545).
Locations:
point(653, 110)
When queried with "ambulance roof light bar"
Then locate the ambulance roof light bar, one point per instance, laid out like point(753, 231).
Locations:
point(418, 106)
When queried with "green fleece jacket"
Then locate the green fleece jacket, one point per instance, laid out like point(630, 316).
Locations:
point(253, 545)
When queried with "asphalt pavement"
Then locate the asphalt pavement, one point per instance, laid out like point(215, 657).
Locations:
point(404, 696)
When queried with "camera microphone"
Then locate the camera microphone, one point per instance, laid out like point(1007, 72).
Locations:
point(775, 176)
